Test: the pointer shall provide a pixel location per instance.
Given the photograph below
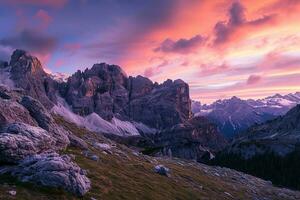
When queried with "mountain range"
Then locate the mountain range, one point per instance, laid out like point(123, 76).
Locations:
point(100, 134)
point(235, 115)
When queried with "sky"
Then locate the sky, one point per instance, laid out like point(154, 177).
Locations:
point(221, 48)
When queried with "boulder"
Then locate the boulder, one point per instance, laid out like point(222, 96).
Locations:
point(52, 170)
point(77, 142)
point(11, 111)
point(21, 140)
point(162, 170)
point(45, 121)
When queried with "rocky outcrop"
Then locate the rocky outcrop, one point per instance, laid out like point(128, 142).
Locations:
point(191, 140)
point(77, 142)
point(165, 106)
point(52, 170)
point(45, 120)
point(28, 74)
point(101, 89)
point(20, 140)
point(107, 91)
point(12, 111)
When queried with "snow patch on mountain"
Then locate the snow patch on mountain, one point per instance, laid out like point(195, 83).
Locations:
point(95, 123)
point(59, 77)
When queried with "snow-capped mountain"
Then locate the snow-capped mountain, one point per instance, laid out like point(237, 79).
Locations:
point(276, 104)
point(235, 115)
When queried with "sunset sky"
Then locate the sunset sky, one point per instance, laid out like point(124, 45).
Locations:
point(221, 48)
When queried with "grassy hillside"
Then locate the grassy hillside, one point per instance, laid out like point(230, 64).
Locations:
point(122, 173)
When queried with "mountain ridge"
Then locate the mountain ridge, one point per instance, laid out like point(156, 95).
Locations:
point(235, 115)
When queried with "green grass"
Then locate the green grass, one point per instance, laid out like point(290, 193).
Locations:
point(124, 176)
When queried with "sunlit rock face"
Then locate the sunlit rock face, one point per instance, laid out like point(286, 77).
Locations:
point(28, 74)
point(107, 91)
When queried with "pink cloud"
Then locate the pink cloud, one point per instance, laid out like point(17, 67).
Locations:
point(149, 72)
point(277, 60)
point(44, 18)
point(253, 79)
point(208, 70)
point(59, 63)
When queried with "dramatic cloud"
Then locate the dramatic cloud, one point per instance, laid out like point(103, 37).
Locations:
point(181, 45)
point(213, 45)
point(286, 5)
point(237, 20)
point(149, 72)
point(253, 79)
point(31, 40)
point(277, 60)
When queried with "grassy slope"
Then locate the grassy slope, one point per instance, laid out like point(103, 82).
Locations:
point(123, 175)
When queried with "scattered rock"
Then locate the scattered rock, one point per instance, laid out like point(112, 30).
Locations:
point(95, 157)
point(50, 169)
point(12, 192)
point(162, 170)
point(77, 142)
point(102, 146)
point(90, 155)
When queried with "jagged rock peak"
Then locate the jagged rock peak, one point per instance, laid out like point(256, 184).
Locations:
point(99, 68)
point(23, 62)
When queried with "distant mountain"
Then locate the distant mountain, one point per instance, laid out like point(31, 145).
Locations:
point(270, 150)
point(280, 136)
point(235, 115)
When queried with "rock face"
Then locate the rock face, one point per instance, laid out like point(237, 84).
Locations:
point(191, 140)
point(27, 134)
point(101, 89)
point(107, 91)
point(52, 170)
point(165, 106)
point(21, 140)
point(28, 74)
point(45, 120)
point(279, 136)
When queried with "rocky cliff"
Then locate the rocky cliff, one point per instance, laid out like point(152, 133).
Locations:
point(104, 99)
point(106, 90)
point(198, 139)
